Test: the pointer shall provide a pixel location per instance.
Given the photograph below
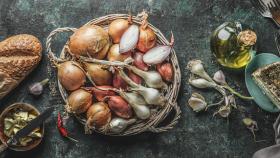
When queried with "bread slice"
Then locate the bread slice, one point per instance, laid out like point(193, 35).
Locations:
point(268, 79)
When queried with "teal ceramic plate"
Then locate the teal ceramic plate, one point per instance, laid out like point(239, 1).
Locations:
point(260, 98)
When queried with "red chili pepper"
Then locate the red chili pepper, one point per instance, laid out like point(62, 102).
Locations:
point(62, 130)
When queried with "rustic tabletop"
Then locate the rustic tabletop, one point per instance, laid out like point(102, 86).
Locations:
point(192, 21)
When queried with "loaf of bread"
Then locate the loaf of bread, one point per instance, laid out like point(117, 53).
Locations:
point(19, 55)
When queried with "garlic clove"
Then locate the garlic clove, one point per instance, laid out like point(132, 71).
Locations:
point(129, 39)
point(197, 102)
point(219, 77)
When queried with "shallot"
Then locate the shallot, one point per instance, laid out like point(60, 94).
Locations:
point(152, 96)
point(98, 115)
point(100, 92)
point(99, 74)
point(118, 81)
point(79, 101)
point(71, 75)
point(147, 37)
point(119, 106)
point(117, 28)
point(117, 125)
point(135, 78)
point(152, 78)
point(166, 71)
point(129, 39)
point(158, 54)
point(115, 55)
point(138, 61)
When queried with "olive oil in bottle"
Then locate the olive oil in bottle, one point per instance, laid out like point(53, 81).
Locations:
point(232, 46)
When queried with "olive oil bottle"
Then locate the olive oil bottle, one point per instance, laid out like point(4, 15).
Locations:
point(232, 46)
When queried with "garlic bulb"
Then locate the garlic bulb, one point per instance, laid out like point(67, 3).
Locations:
point(196, 67)
point(117, 125)
point(152, 78)
point(129, 39)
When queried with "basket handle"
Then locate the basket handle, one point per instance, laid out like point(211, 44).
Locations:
point(170, 125)
point(50, 38)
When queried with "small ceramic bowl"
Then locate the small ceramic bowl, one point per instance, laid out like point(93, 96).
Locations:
point(4, 138)
point(255, 91)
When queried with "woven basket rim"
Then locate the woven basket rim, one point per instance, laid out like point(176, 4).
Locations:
point(151, 123)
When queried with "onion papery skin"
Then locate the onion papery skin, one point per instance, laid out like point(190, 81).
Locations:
point(70, 75)
point(79, 101)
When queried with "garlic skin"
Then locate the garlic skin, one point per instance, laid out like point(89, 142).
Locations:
point(138, 104)
point(196, 67)
point(152, 78)
point(129, 39)
point(224, 111)
point(157, 54)
point(117, 125)
point(220, 78)
point(197, 102)
point(201, 83)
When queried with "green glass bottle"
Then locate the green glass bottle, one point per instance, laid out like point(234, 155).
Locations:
point(233, 46)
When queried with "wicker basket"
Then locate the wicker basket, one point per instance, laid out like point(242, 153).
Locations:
point(151, 124)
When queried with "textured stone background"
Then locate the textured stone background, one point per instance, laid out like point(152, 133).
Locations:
point(192, 21)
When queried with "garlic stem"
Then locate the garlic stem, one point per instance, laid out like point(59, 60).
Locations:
point(127, 79)
point(105, 62)
point(236, 93)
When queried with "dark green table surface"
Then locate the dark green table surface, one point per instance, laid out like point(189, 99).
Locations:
point(192, 21)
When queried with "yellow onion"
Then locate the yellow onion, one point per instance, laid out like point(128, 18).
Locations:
point(117, 28)
point(102, 53)
point(115, 55)
point(147, 37)
point(89, 39)
point(99, 74)
point(79, 101)
point(70, 75)
point(98, 115)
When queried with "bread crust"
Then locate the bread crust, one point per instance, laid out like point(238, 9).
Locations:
point(19, 55)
